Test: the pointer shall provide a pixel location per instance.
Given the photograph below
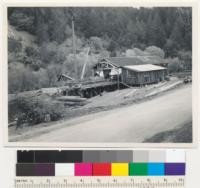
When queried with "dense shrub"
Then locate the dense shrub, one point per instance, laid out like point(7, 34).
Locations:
point(174, 65)
point(186, 59)
point(38, 109)
point(31, 51)
point(14, 45)
point(149, 51)
point(155, 51)
point(23, 78)
point(22, 19)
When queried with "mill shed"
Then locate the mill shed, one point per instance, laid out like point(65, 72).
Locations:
point(142, 74)
point(107, 67)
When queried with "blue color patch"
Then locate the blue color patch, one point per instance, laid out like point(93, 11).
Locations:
point(156, 169)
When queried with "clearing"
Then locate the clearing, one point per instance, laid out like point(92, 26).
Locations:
point(137, 121)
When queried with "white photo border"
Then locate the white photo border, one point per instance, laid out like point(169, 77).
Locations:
point(110, 3)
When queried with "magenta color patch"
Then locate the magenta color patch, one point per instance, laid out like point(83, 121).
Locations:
point(83, 169)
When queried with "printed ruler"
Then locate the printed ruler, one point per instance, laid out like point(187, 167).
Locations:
point(100, 182)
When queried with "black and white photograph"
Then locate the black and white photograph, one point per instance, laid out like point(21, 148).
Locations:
point(99, 74)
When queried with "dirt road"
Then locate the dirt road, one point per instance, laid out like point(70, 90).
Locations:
point(128, 124)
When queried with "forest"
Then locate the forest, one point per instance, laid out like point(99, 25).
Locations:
point(40, 40)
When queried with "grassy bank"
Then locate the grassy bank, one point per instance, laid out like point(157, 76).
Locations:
point(180, 135)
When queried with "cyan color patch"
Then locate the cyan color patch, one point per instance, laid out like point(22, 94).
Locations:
point(156, 169)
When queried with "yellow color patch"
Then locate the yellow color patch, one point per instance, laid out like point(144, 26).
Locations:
point(119, 169)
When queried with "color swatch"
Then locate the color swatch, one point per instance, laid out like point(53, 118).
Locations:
point(156, 169)
point(83, 169)
point(101, 169)
point(174, 169)
point(119, 169)
point(64, 169)
point(138, 169)
point(35, 169)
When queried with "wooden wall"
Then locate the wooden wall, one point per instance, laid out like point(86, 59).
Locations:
point(131, 77)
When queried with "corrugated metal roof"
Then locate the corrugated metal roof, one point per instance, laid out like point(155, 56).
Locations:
point(144, 68)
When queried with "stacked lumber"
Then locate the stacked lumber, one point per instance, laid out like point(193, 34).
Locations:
point(72, 100)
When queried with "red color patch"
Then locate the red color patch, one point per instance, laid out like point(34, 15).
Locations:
point(101, 169)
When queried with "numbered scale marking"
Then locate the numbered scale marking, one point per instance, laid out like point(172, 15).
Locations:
point(100, 182)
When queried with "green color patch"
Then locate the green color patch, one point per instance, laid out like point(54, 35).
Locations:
point(138, 169)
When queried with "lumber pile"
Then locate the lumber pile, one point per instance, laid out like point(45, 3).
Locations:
point(72, 100)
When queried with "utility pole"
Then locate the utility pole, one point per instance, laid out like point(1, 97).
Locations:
point(74, 49)
point(118, 78)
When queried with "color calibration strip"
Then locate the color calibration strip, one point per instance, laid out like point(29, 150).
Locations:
point(100, 169)
point(101, 163)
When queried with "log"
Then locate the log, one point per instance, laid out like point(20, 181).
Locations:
point(71, 98)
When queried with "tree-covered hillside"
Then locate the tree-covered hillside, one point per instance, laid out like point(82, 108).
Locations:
point(40, 39)
point(122, 27)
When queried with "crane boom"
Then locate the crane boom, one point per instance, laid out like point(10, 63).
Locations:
point(85, 63)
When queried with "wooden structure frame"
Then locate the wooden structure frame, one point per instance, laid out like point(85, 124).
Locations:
point(143, 74)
